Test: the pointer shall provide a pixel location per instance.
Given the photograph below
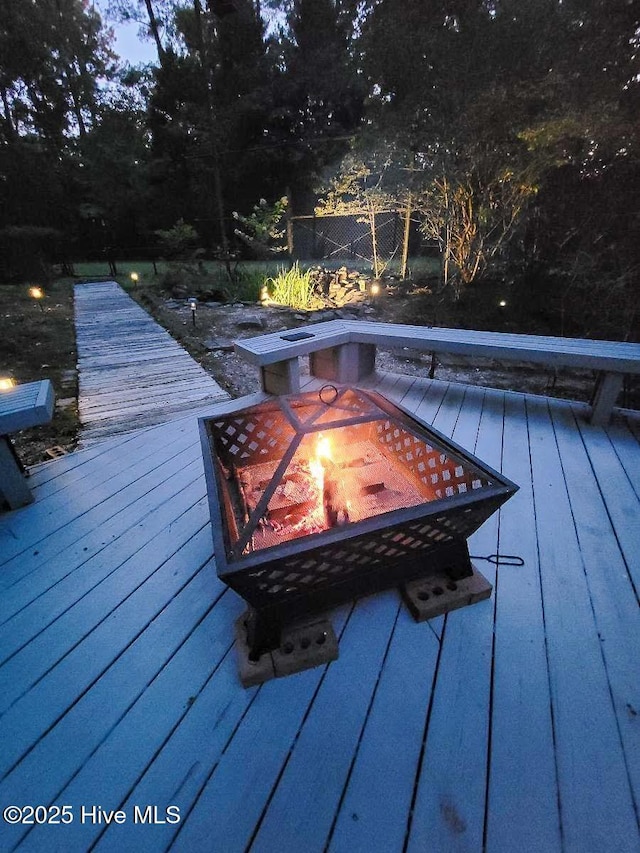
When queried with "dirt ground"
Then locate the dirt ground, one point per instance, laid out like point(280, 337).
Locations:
point(210, 342)
point(37, 341)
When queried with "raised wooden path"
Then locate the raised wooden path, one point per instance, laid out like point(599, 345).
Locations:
point(132, 373)
point(512, 725)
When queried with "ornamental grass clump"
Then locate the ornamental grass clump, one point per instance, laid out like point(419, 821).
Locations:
point(292, 287)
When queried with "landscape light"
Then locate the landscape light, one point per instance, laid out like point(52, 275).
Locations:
point(375, 289)
point(503, 303)
point(134, 277)
point(6, 383)
point(37, 293)
point(193, 304)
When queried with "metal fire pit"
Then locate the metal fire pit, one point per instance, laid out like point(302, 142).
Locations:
point(317, 498)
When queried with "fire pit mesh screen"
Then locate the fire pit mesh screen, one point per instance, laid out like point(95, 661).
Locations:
point(292, 469)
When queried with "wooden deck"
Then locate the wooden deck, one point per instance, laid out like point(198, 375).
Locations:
point(132, 373)
point(512, 725)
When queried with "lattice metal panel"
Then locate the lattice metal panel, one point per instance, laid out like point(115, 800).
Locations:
point(445, 476)
point(250, 438)
point(319, 567)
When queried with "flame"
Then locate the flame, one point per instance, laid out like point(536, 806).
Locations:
point(323, 451)
point(323, 447)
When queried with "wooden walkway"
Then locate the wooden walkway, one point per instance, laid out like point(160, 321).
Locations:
point(132, 373)
point(512, 725)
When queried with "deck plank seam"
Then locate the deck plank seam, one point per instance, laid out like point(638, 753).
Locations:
point(492, 676)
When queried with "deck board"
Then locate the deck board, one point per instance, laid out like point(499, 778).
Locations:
point(512, 724)
point(131, 372)
point(522, 797)
point(594, 816)
point(449, 807)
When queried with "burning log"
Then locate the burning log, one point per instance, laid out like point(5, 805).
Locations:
point(373, 488)
point(336, 512)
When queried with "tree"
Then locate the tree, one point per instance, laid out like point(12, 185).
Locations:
point(317, 94)
point(492, 99)
point(53, 54)
point(52, 57)
point(363, 187)
point(156, 21)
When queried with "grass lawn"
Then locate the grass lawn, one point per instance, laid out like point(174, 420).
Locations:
point(38, 342)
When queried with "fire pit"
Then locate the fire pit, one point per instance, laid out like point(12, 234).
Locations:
point(317, 498)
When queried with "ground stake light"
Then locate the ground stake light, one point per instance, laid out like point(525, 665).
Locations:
point(37, 293)
point(193, 304)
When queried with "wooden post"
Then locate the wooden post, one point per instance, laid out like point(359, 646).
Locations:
point(405, 242)
point(289, 221)
point(608, 387)
point(14, 488)
point(374, 243)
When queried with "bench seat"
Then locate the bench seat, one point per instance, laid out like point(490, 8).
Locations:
point(344, 350)
point(21, 407)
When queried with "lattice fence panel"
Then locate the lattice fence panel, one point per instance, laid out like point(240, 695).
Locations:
point(348, 238)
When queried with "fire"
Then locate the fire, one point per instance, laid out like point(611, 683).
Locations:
point(317, 469)
point(330, 509)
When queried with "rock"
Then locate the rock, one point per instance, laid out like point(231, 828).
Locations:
point(214, 344)
point(65, 403)
point(251, 323)
point(67, 378)
point(172, 303)
point(321, 316)
point(213, 295)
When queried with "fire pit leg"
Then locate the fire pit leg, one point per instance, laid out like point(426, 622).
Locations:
point(299, 645)
point(263, 629)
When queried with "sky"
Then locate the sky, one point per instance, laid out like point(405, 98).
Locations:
point(130, 48)
point(127, 45)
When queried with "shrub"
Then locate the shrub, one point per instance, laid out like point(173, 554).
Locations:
point(292, 287)
point(179, 242)
point(246, 286)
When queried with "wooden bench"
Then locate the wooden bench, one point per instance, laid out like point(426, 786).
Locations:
point(344, 351)
point(20, 407)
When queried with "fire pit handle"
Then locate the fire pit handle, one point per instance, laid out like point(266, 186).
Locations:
point(334, 396)
point(501, 559)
